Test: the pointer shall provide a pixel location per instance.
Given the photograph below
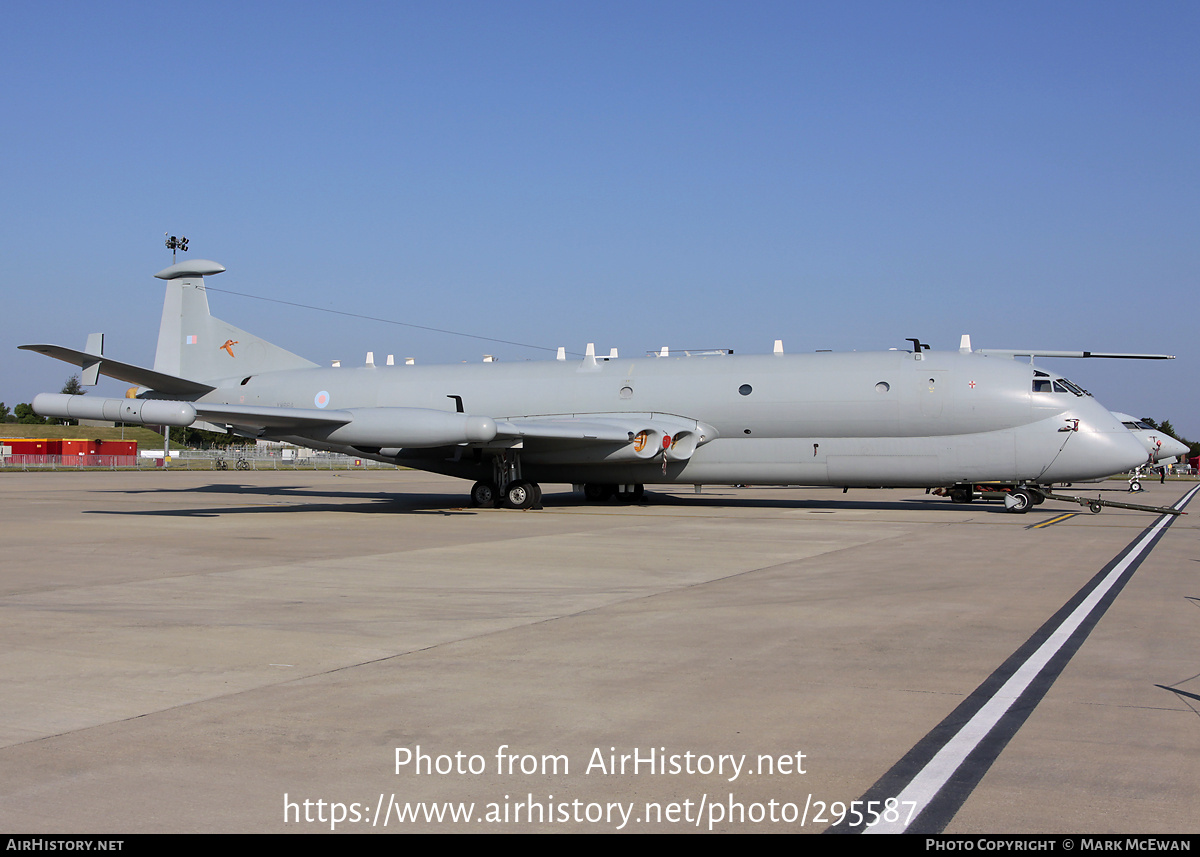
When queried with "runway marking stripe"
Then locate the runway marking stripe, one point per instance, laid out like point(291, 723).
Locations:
point(925, 784)
point(1057, 520)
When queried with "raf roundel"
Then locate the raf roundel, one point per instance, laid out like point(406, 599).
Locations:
point(321, 399)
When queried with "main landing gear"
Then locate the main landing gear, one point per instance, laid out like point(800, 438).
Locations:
point(521, 494)
point(600, 492)
point(508, 488)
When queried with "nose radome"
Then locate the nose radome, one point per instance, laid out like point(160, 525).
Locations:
point(1101, 446)
point(1172, 447)
point(1115, 445)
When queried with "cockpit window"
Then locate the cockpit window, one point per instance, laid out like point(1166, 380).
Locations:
point(1131, 426)
point(1043, 384)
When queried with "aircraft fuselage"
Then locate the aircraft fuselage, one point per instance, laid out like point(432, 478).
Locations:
point(893, 418)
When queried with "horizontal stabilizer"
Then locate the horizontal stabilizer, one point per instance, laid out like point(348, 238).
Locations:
point(168, 384)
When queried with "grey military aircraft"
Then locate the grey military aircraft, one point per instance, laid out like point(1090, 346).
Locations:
point(899, 418)
point(1161, 448)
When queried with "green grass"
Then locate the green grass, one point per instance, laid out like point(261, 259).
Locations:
point(141, 434)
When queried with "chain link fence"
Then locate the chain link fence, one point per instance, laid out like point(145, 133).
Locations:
point(231, 458)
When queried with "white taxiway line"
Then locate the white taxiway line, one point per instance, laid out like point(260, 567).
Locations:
point(929, 781)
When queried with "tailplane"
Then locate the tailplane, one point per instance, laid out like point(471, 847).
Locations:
point(193, 344)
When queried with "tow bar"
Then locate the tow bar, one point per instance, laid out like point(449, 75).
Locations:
point(1094, 506)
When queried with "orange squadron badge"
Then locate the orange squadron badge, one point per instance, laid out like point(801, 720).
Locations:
point(228, 346)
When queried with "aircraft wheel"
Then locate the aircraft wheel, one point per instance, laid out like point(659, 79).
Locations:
point(961, 495)
point(520, 495)
point(1095, 507)
point(484, 494)
point(1018, 501)
point(634, 495)
point(1135, 487)
point(1037, 498)
point(597, 492)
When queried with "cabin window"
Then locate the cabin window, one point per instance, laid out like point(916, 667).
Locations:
point(745, 389)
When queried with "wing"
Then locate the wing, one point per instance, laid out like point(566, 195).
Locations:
point(358, 427)
point(599, 438)
point(559, 438)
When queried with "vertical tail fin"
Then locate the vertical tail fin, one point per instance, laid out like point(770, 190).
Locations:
point(193, 344)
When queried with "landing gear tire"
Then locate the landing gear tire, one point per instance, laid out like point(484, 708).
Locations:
point(1018, 501)
point(484, 494)
point(597, 492)
point(520, 495)
point(1135, 487)
point(634, 495)
point(961, 495)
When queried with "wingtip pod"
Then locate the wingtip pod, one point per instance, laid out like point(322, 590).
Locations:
point(153, 412)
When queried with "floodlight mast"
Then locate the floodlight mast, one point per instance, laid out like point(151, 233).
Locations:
point(174, 244)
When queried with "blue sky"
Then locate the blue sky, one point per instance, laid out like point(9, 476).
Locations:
point(837, 175)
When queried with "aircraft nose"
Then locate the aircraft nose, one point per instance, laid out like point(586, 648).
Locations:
point(1096, 445)
point(1172, 447)
point(1117, 451)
